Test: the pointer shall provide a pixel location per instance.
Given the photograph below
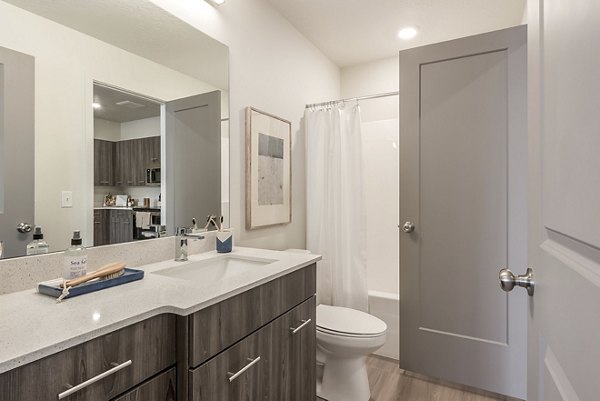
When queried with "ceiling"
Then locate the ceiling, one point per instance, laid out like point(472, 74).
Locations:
point(142, 28)
point(352, 32)
point(132, 107)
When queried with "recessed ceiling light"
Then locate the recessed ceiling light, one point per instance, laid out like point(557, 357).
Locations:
point(96, 105)
point(407, 33)
point(217, 2)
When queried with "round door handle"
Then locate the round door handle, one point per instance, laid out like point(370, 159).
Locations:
point(508, 280)
point(24, 227)
point(408, 227)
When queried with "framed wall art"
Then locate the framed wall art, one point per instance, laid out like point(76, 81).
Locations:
point(268, 170)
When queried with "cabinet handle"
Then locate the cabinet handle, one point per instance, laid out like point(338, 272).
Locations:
point(233, 376)
point(93, 380)
point(304, 324)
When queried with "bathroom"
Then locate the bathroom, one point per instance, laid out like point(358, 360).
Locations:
point(268, 56)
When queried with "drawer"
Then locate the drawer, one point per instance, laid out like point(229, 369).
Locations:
point(149, 345)
point(160, 388)
point(217, 327)
point(285, 370)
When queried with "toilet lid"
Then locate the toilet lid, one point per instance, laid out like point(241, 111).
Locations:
point(348, 321)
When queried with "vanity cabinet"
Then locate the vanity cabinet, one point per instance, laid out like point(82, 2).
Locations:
point(104, 162)
point(135, 353)
point(275, 363)
point(229, 336)
point(160, 388)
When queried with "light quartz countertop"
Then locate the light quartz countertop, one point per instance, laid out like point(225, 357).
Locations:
point(35, 326)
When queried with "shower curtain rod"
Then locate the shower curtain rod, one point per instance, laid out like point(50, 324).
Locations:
point(352, 99)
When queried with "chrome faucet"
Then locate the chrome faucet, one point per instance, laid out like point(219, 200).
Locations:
point(183, 234)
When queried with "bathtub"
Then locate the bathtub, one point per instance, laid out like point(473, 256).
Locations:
point(386, 305)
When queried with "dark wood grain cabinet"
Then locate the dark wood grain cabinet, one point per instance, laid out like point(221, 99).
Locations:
point(104, 162)
point(133, 157)
point(101, 227)
point(149, 345)
point(269, 357)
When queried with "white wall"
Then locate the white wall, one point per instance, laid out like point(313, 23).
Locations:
point(381, 157)
point(66, 63)
point(275, 69)
point(107, 130)
point(140, 128)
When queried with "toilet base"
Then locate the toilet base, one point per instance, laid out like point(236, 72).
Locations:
point(344, 379)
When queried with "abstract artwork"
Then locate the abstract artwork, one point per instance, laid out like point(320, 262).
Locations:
point(268, 170)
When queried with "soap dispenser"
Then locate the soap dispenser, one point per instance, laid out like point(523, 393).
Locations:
point(75, 258)
point(38, 246)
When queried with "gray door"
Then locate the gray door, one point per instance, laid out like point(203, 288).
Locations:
point(463, 141)
point(193, 159)
point(564, 99)
point(16, 149)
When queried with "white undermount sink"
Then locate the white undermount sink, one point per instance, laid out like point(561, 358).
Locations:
point(211, 270)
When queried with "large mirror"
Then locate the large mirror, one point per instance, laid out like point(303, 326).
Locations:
point(128, 113)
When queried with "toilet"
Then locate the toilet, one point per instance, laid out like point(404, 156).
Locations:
point(344, 339)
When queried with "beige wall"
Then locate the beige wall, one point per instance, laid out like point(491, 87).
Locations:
point(275, 69)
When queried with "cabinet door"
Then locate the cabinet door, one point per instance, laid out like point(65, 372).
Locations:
point(121, 226)
point(121, 163)
point(103, 162)
point(138, 165)
point(101, 227)
point(160, 388)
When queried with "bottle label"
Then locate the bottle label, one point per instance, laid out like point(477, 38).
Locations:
point(75, 266)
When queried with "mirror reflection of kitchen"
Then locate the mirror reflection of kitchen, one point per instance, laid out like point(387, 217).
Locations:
point(127, 166)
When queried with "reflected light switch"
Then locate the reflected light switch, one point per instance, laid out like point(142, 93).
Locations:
point(67, 199)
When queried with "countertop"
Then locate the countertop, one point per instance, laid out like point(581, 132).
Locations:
point(34, 325)
point(113, 208)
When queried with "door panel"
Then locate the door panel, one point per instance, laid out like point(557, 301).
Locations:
point(462, 180)
point(16, 132)
point(564, 173)
point(193, 132)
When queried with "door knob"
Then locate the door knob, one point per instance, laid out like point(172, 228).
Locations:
point(24, 227)
point(508, 280)
point(408, 227)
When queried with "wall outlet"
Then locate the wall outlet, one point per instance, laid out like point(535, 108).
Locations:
point(67, 199)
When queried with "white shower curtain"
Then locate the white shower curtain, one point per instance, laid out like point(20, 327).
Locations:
point(336, 212)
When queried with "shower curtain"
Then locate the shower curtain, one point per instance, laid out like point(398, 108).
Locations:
point(336, 212)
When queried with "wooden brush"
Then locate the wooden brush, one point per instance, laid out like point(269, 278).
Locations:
point(110, 270)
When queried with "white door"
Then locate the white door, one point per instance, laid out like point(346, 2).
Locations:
point(16, 150)
point(564, 129)
point(193, 159)
point(463, 141)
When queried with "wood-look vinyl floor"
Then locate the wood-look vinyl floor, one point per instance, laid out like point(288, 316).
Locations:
point(390, 383)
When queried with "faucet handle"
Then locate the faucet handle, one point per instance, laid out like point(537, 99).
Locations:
point(183, 230)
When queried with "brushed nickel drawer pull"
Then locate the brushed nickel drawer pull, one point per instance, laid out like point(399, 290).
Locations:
point(233, 376)
point(93, 380)
point(297, 329)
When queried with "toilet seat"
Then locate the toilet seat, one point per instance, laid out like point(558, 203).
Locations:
point(346, 322)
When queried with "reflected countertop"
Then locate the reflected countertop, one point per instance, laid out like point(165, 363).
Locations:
point(35, 326)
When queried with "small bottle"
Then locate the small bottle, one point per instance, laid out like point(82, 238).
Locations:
point(38, 246)
point(75, 258)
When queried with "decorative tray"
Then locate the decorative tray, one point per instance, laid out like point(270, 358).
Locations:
point(53, 288)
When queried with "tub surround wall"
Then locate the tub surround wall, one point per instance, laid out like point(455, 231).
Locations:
point(24, 273)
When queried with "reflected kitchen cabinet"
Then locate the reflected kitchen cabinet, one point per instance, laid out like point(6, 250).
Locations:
point(103, 162)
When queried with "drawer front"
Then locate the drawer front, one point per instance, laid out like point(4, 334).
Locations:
point(149, 345)
point(160, 388)
point(217, 327)
point(285, 371)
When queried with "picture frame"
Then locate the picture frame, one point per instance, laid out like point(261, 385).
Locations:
point(268, 170)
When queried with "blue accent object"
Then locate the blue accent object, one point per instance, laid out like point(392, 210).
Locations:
point(54, 290)
point(224, 246)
